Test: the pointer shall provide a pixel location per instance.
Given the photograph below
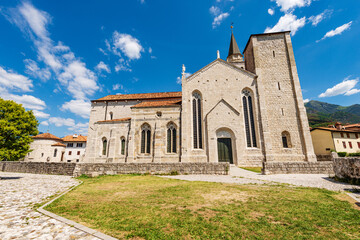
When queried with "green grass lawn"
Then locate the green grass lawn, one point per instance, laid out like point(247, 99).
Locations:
point(253, 169)
point(150, 207)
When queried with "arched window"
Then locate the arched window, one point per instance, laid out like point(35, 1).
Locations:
point(285, 137)
point(249, 119)
point(104, 142)
point(55, 152)
point(197, 120)
point(171, 138)
point(111, 115)
point(145, 138)
point(122, 146)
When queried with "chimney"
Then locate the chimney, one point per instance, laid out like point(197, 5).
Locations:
point(75, 136)
point(338, 126)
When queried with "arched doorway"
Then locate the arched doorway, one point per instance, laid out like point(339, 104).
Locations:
point(224, 145)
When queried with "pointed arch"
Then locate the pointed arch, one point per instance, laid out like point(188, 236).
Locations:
point(145, 138)
point(248, 107)
point(104, 145)
point(171, 137)
point(197, 120)
point(123, 144)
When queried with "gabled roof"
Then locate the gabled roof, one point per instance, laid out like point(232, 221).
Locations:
point(71, 138)
point(335, 130)
point(115, 120)
point(46, 136)
point(58, 145)
point(140, 96)
point(149, 104)
point(219, 60)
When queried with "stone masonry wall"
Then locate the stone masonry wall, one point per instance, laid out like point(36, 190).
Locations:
point(38, 167)
point(298, 167)
point(96, 169)
point(347, 167)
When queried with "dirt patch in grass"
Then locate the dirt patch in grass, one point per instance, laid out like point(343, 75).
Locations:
point(149, 207)
point(345, 197)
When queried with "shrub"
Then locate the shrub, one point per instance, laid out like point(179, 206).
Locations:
point(357, 154)
point(342, 154)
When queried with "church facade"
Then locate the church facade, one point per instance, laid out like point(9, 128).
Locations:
point(245, 110)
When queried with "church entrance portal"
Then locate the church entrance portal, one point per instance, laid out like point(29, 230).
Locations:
point(225, 150)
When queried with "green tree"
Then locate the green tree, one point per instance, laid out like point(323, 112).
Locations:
point(16, 127)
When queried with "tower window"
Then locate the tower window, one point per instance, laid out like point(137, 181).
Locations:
point(197, 121)
point(285, 136)
point(273, 53)
point(249, 119)
point(55, 152)
point(145, 138)
point(111, 115)
point(279, 86)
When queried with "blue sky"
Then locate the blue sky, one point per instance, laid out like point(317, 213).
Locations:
point(56, 56)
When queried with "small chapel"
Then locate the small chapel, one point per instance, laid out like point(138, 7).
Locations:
point(245, 111)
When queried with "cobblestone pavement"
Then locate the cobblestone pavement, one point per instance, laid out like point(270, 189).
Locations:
point(18, 220)
point(241, 176)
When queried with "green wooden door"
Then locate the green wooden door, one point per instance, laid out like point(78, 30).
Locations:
point(225, 150)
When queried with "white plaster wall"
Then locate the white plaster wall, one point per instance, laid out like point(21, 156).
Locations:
point(42, 151)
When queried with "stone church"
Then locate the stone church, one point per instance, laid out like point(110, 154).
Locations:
point(245, 110)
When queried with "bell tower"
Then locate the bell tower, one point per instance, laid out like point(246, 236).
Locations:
point(235, 57)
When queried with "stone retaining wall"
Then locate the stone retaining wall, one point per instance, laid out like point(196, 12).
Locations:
point(38, 167)
point(324, 157)
point(95, 169)
point(298, 167)
point(347, 167)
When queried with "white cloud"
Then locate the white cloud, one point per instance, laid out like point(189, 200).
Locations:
point(60, 122)
point(102, 67)
point(306, 100)
point(34, 70)
point(287, 5)
point(13, 81)
point(178, 79)
point(122, 65)
point(40, 114)
point(69, 123)
point(315, 20)
point(117, 87)
point(127, 44)
point(81, 128)
point(78, 107)
point(45, 123)
point(271, 11)
point(27, 101)
point(218, 15)
point(346, 87)
point(150, 50)
point(337, 31)
point(69, 70)
point(288, 22)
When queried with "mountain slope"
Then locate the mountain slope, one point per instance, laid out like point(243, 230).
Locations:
point(322, 113)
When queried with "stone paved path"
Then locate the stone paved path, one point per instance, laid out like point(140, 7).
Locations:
point(18, 193)
point(241, 176)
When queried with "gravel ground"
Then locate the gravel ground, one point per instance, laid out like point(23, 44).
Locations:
point(18, 193)
point(241, 176)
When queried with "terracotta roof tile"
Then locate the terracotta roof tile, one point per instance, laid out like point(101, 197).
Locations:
point(157, 104)
point(58, 145)
point(335, 130)
point(71, 138)
point(140, 96)
point(46, 136)
point(115, 120)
